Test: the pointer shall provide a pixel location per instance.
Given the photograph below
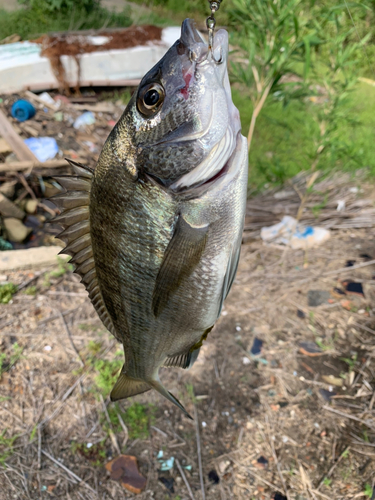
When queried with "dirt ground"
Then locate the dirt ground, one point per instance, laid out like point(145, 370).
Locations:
point(295, 420)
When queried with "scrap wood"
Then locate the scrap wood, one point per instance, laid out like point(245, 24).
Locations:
point(4, 146)
point(18, 166)
point(9, 209)
point(14, 140)
point(36, 98)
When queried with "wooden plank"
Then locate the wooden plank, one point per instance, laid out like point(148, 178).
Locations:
point(19, 148)
point(19, 166)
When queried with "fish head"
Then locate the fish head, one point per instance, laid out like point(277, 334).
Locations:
point(183, 118)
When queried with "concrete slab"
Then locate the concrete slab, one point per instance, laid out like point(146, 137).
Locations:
point(30, 258)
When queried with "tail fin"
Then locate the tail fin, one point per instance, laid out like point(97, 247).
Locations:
point(158, 386)
point(127, 386)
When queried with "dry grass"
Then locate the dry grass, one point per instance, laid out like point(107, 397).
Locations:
point(318, 439)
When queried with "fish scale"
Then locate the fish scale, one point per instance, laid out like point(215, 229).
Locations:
point(158, 255)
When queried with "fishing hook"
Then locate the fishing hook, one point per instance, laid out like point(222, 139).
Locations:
point(211, 23)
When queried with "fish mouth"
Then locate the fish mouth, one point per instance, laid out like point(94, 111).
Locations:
point(197, 47)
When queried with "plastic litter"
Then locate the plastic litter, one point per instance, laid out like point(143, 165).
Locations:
point(168, 483)
point(87, 118)
point(44, 148)
point(293, 234)
point(167, 464)
point(256, 347)
point(213, 477)
point(45, 97)
point(353, 287)
point(22, 110)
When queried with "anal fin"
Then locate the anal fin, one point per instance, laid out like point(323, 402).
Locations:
point(125, 387)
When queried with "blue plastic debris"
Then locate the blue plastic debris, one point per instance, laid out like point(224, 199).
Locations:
point(165, 464)
point(44, 148)
point(290, 232)
point(87, 118)
point(257, 347)
point(22, 110)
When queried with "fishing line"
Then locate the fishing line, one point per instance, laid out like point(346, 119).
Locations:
point(359, 38)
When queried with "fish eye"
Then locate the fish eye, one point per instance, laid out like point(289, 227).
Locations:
point(150, 99)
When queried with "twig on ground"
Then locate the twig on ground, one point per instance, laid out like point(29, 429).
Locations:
point(199, 452)
point(124, 428)
point(349, 269)
point(112, 435)
point(39, 448)
point(181, 470)
point(71, 340)
point(351, 417)
point(275, 457)
point(329, 473)
point(71, 473)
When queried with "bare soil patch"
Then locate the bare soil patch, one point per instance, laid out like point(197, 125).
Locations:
point(296, 420)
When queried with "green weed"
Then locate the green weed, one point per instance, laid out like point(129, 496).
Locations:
point(351, 362)
point(368, 491)
point(6, 292)
point(327, 482)
point(138, 418)
point(33, 433)
point(107, 370)
point(95, 453)
point(190, 391)
point(31, 290)
point(7, 361)
point(94, 347)
point(6, 447)
point(37, 17)
point(63, 268)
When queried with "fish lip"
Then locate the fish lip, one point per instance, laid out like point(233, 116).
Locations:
point(190, 35)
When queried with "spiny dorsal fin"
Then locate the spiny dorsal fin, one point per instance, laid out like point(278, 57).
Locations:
point(180, 259)
point(74, 217)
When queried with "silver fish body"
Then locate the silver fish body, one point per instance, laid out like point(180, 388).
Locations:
point(155, 230)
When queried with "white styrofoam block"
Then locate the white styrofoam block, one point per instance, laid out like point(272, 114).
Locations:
point(22, 67)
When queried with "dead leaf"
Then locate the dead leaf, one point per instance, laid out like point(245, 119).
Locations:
point(332, 380)
point(125, 470)
point(346, 304)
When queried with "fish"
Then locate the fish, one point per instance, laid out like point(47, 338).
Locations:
point(155, 229)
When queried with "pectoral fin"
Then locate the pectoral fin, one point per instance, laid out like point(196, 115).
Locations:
point(180, 259)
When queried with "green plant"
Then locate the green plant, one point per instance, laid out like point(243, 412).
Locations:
point(6, 292)
point(138, 418)
point(369, 492)
point(31, 290)
point(42, 16)
point(62, 268)
point(107, 370)
point(272, 36)
point(6, 362)
point(351, 362)
point(6, 446)
point(327, 482)
point(96, 453)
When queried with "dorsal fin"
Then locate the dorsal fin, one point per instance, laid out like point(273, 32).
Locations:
point(75, 218)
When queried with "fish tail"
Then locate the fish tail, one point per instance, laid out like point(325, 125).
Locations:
point(126, 386)
point(158, 386)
